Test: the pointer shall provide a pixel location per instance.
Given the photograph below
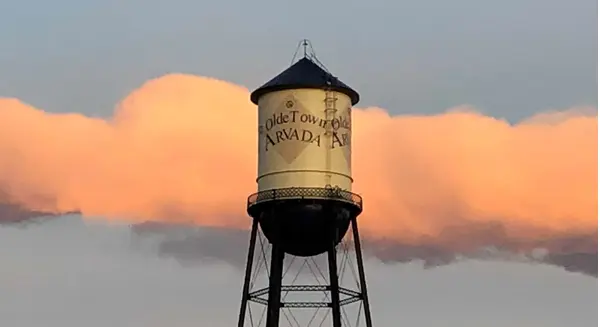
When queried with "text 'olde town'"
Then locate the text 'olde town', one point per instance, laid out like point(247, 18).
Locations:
point(340, 128)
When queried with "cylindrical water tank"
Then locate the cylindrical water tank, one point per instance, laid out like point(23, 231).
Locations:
point(301, 144)
point(304, 159)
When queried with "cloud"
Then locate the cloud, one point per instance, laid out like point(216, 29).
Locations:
point(72, 272)
point(192, 246)
point(182, 149)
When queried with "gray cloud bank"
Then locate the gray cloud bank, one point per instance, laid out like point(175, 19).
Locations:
point(192, 244)
point(195, 244)
point(71, 272)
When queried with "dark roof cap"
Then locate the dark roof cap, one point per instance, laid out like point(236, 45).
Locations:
point(304, 74)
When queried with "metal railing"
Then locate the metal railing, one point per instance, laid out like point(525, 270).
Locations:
point(325, 193)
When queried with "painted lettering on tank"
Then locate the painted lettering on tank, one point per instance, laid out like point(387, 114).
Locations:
point(294, 125)
point(278, 128)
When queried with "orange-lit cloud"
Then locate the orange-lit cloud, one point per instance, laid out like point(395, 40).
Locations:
point(183, 148)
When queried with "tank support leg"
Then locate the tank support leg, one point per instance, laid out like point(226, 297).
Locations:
point(361, 273)
point(247, 276)
point(276, 274)
point(335, 287)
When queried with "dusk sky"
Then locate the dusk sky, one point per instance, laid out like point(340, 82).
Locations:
point(509, 60)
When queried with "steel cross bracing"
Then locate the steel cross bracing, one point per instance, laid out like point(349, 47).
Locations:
point(309, 310)
point(353, 296)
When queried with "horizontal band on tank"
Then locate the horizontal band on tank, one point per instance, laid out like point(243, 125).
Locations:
point(325, 172)
point(305, 193)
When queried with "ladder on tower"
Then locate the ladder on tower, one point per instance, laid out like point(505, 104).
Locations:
point(330, 115)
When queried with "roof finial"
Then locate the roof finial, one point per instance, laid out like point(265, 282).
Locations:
point(309, 53)
point(305, 45)
point(307, 50)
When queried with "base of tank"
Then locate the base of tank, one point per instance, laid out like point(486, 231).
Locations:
point(304, 221)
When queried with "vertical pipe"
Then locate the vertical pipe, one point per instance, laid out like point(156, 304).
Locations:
point(361, 272)
point(276, 274)
point(249, 260)
point(335, 287)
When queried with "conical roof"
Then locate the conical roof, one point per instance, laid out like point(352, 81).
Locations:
point(304, 74)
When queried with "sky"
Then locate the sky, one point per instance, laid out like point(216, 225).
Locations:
point(510, 60)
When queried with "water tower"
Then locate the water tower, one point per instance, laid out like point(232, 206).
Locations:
point(304, 205)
